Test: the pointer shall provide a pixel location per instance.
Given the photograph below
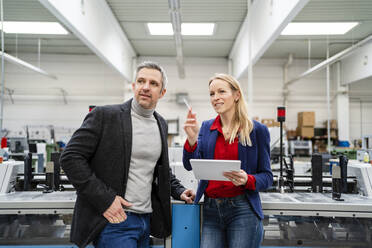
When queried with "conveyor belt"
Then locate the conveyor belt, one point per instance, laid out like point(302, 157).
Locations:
point(316, 204)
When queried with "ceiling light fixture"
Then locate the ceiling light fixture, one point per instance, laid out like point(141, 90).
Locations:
point(318, 28)
point(164, 28)
point(197, 28)
point(34, 28)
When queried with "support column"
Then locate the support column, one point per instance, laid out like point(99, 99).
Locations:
point(342, 108)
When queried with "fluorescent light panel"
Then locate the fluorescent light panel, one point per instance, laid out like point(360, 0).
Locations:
point(318, 28)
point(160, 28)
point(197, 28)
point(33, 28)
point(186, 28)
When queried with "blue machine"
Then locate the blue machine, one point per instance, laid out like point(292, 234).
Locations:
point(186, 230)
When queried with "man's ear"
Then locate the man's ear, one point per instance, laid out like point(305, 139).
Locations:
point(163, 92)
point(133, 86)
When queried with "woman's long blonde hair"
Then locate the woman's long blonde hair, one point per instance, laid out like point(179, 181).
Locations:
point(242, 125)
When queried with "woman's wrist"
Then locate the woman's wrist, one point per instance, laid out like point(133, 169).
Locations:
point(191, 142)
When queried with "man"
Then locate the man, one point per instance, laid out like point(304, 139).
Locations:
point(118, 163)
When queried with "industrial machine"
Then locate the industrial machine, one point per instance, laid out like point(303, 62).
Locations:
point(8, 175)
point(300, 147)
point(304, 217)
point(18, 144)
point(365, 154)
point(326, 202)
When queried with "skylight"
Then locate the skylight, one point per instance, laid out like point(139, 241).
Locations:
point(186, 28)
point(197, 28)
point(160, 28)
point(33, 28)
point(318, 28)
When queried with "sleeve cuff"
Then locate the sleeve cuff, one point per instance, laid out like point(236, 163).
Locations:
point(188, 148)
point(251, 182)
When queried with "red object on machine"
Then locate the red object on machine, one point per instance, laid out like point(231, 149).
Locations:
point(281, 114)
point(4, 142)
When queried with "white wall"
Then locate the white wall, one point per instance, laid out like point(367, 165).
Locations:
point(197, 71)
point(38, 99)
point(308, 94)
point(87, 81)
point(361, 108)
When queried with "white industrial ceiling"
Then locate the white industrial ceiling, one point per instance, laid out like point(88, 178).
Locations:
point(326, 11)
point(228, 16)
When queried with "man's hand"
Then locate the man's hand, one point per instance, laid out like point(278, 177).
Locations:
point(188, 196)
point(115, 213)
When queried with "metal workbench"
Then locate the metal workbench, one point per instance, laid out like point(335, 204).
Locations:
point(287, 204)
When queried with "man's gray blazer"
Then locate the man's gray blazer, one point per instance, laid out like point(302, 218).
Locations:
point(96, 161)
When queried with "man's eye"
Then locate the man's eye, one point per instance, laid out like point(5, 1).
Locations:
point(211, 94)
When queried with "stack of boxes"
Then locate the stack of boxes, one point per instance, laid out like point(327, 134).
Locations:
point(305, 124)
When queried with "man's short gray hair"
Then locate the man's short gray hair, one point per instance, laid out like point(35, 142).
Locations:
point(155, 66)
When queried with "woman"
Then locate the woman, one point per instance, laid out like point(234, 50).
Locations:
point(232, 212)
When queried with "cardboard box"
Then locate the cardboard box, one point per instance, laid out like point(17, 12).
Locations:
point(320, 146)
point(270, 122)
point(334, 133)
point(277, 124)
point(306, 132)
point(333, 124)
point(306, 119)
point(291, 134)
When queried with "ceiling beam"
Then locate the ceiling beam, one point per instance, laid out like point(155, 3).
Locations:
point(357, 66)
point(93, 22)
point(269, 18)
point(337, 57)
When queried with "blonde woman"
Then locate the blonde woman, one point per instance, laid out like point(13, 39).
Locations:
point(232, 212)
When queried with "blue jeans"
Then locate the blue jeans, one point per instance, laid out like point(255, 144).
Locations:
point(230, 222)
point(134, 232)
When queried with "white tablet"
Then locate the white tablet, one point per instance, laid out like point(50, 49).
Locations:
point(212, 169)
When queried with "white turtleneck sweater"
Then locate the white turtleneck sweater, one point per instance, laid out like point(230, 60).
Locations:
point(146, 150)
